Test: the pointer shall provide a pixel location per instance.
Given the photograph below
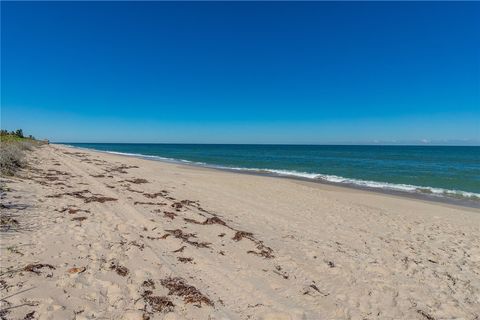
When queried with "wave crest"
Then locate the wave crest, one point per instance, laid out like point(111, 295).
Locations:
point(458, 194)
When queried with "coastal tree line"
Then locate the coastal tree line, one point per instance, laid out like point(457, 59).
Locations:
point(15, 133)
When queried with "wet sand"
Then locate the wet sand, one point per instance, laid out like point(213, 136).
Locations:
point(97, 235)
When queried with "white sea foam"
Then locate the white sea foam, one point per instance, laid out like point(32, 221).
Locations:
point(317, 176)
point(365, 183)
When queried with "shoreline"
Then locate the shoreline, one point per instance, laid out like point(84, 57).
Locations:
point(449, 200)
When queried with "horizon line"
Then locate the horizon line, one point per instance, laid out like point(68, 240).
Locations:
point(285, 144)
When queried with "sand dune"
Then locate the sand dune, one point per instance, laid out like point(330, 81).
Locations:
point(101, 236)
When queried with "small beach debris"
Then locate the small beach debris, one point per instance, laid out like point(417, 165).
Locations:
point(76, 270)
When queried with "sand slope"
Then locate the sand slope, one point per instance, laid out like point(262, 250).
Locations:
point(110, 237)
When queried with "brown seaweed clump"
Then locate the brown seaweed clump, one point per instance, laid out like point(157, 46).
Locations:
point(239, 235)
point(150, 203)
point(185, 260)
point(158, 304)
point(190, 294)
point(137, 181)
point(177, 233)
point(263, 250)
point(80, 219)
point(120, 270)
point(72, 210)
point(36, 268)
point(154, 195)
point(86, 195)
point(170, 215)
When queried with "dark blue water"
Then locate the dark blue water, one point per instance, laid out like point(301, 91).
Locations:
point(438, 170)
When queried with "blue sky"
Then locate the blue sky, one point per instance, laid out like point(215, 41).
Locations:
point(211, 72)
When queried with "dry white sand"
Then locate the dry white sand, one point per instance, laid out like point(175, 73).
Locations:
point(193, 243)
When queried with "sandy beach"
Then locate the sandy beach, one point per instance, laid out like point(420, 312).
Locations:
point(103, 236)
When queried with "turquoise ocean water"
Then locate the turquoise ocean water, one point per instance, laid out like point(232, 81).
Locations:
point(439, 171)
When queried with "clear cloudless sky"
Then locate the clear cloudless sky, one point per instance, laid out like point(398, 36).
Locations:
point(251, 72)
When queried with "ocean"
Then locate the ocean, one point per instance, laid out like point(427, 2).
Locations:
point(437, 171)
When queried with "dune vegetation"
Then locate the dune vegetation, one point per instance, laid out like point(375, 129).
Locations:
point(13, 146)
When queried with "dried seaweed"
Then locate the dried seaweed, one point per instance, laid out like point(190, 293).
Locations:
point(425, 315)
point(180, 249)
point(190, 294)
point(121, 168)
point(213, 220)
point(137, 181)
point(35, 268)
point(158, 303)
point(177, 206)
point(8, 222)
point(149, 283)
point(101, 199)
point(264, 251)
point(239, 235)
point(76, 270)
point(192, 221)
point(72, 210)
point(121, 270)
point(177, 233)
point(140, 246)
point(150, 203)
point(80, 219)
point(76, 194)
point(82, 195)
point(153, 195)
point(170, 215)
